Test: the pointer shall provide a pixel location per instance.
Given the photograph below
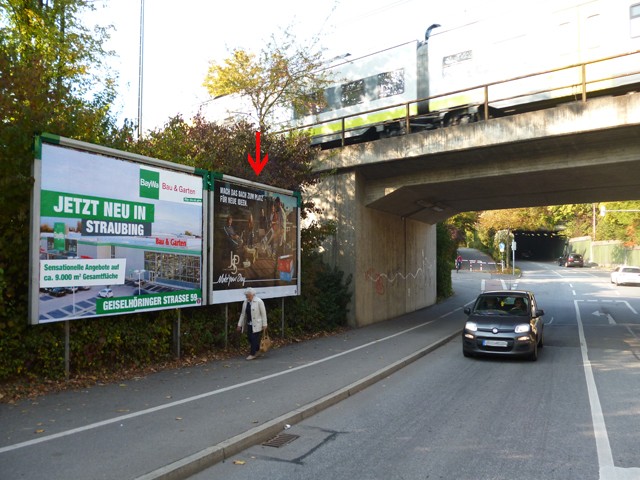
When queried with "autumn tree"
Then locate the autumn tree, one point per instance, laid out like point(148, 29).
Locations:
point(49, 62)
point(620, 222)
point(282, 76)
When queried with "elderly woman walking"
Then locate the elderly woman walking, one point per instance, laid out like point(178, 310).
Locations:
point(253, 320)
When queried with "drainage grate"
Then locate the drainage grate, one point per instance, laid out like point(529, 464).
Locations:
point(281, 440)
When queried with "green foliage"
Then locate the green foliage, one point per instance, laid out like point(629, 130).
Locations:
point(462, 227)
point(620, 222)
point(282, 75)
point(46, 57)
point(324, 300)
point(445, 258)
point(46, 60)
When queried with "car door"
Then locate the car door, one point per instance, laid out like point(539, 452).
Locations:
point(536, 320)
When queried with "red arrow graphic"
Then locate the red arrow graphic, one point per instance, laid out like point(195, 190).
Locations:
point(258, 164)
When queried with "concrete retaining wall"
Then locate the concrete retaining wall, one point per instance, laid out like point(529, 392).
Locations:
point(392, 259)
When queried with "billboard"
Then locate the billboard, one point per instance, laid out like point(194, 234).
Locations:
point(113, 233)
point(256, 240)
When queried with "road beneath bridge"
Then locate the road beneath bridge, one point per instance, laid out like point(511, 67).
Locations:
point(387, 195)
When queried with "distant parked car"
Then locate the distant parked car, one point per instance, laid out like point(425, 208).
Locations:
point(105, 293)
point(623, 275)
point(571, 260)
point(58, 292)
point(71, 289)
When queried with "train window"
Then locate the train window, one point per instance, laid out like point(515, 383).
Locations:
point(593, 31)
point(352, 93)
point(391, 83)
point(634, 18)
point(564, 44)
point(457, 65)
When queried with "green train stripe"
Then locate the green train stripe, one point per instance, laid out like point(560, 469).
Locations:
point(359, 121)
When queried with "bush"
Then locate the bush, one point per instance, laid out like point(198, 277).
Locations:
point(446, 254)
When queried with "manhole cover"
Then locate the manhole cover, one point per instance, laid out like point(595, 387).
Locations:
point(281, 440)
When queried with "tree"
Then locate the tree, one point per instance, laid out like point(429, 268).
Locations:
point(621, 222)
point(281, 77)
point(48, 61)
point(461, 226)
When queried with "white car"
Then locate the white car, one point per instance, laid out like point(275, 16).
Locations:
point(624, 274)
point(105, 293)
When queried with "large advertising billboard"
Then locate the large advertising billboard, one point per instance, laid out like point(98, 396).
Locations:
point(113, 236)
point(256, 240)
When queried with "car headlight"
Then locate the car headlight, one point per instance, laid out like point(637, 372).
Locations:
point(523, 328)
point(471, 326)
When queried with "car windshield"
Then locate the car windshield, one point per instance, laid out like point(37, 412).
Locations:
point(631, 270)
point(501, 305)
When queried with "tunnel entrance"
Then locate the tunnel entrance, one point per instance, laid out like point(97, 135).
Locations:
point(542, 245)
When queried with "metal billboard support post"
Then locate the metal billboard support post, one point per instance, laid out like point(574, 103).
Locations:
point(176, 335)
point(226, 326)
point(66, 350)
point(282, 319)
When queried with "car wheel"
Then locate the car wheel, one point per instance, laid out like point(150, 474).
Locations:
point(541, 339)
point(534, 355)
point(466, 354)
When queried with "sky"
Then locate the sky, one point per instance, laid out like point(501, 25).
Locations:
point(181, 38)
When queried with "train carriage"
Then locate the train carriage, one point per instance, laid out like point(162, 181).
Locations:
point(456, 67)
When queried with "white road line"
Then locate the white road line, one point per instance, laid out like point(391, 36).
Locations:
point(629, 306)
point(605, 457)
point(194, 398)
point(608, 471)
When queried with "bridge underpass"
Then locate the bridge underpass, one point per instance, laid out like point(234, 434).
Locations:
point(387, 195)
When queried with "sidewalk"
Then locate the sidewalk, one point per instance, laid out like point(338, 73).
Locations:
point(174, 423)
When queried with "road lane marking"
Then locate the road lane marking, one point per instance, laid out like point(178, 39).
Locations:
point(608, 471)
point(603, 447)
point(201, 396)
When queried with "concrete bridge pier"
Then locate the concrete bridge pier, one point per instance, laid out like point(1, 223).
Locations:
point(392, 259)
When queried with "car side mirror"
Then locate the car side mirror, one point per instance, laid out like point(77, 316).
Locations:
point(467, 310)
point(539, 312)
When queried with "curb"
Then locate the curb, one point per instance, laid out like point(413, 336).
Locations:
point(208, 457)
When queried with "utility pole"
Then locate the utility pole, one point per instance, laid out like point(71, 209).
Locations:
point(140, 68)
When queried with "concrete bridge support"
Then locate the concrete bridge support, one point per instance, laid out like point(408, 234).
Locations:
point(392, 259)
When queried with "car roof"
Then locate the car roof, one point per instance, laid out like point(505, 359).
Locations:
point(507, 293)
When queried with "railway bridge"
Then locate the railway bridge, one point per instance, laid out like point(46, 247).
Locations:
point(387, 195)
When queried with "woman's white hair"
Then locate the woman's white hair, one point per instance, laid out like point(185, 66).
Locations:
point(249, 291)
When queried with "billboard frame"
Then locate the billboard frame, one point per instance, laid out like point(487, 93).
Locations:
point(77, 145)
point(236, 294)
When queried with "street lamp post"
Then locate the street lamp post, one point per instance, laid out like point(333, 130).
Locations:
point(139, 273)
point(140, 68)
point(604, 210)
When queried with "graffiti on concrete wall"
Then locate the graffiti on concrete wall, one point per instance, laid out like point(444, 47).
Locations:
point(381, 279)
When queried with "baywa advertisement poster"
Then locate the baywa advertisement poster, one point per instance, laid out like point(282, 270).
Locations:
point(116, 236)
point(255, 242)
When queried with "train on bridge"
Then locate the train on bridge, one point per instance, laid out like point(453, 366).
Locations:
point(534, 56)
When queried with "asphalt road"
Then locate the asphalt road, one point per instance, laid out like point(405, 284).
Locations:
point(144, 427)
point(573, 414)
